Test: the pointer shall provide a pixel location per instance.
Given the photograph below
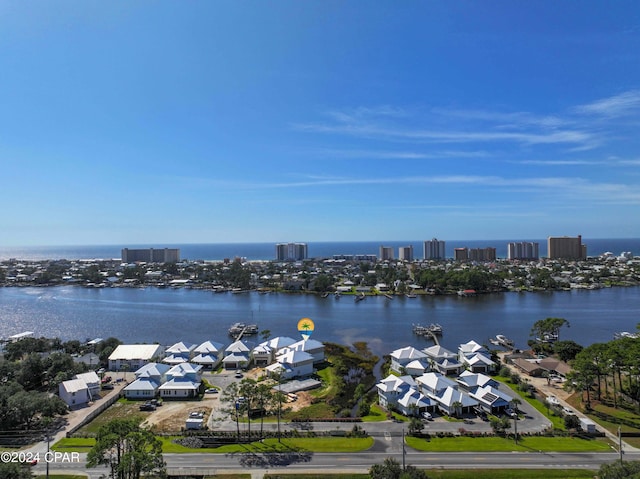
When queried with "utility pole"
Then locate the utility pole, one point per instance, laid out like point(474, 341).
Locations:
point(515, 427)
point(404, 453)
point(48, 450)
point(620, 443)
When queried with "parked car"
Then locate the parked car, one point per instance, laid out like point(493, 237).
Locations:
point(107, 386)
point(510, 412)
point(238, 374)
point(147, 407)
point(211, 391)
point(427, 416)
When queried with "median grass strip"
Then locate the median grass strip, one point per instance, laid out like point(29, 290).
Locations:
point(309, 444)
point(461, 474)
point(501, 444)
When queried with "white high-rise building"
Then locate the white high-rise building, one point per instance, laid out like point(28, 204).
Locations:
point(523, 250)
point(291, 251)
point(434, 249)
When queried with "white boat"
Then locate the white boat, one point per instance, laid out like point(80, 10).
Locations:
point(502, 340)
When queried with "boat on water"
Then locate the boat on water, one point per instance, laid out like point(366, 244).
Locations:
point(360, 297)
point(502, 340)
point(243, 329)
point(432, 329)
point(411, 295)
point(626, 334)
point(388, 296)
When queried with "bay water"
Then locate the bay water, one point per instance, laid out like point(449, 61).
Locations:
point(166, 316)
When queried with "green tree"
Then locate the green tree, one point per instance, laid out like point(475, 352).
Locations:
point(128, 450)
point(548, 328)
point(620, 470)
point(14, 470)
point(567, 349)
point(230, 396)
point(415, 426)
point(391, 469)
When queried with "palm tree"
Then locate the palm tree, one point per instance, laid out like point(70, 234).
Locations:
point(456, 406)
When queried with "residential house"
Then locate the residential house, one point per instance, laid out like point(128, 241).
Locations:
point(208, 354)
point(236, 356)
point(491, 399)
point(475, 357)
point(292, 364)
point(262, 355)
point(92, 381)
point(310, 346)
point(74, 393)
point(454, 402)
point(403, 356)
point(392, 388)
point(183, 380)
point(179, 353)
point(148, 380)
point(443, 361)
point(469, 380)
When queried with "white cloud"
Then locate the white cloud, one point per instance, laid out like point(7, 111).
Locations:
point(615, 106)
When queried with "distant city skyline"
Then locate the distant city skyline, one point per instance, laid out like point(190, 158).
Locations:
point(232, 122)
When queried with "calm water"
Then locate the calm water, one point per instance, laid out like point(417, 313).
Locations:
point(266, 251)
point(167, 315)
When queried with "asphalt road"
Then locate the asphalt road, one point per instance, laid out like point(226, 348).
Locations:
point(307, 462)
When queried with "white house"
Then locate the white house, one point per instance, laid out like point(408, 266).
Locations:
point(392, 388)
point(178, 353)
point(469, 380)
point(262, 355)
point(491, 399)
point(403, 356)
point(433, 383)
point(134, 356)
point(454, 402)
point(236, 356)
point(413, 403)
point(92, 381)
point(310, 346)
point(479, 363)
point(147, 382)
point(74, 393)
point(417, 367)
point(208, 354)
point(293, 364)
point(183, 380)
point(471, 348)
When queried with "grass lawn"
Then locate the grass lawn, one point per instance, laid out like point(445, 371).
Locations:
point(376, 414)
point(509, 474)
point(121, 409)
point(315, 444)
point(73, 444)
point(61, 476)
point(461, 474)
point(311, 444)
point(500, 444)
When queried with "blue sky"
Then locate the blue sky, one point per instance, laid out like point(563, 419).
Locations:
point(253, 121)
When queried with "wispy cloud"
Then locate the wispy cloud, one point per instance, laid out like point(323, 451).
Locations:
point(616, 106)
point(400, 155)
point(439, 136)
